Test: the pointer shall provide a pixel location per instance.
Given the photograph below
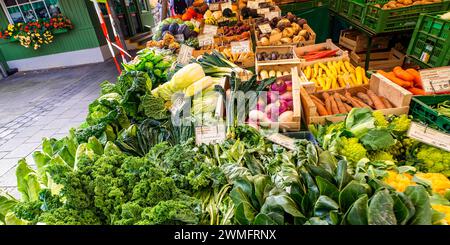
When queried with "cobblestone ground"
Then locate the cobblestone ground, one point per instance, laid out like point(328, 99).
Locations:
point(41, 104)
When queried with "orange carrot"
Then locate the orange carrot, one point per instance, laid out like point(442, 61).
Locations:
point(334, 106)
point(352, 101)
point(317, 99)
point(343, 98)
point(386, 102)
point(417, 91)
point(326, 96)
point(417, 78)
point(320, 108)
point(402, 74)
point(391, 76)
point(339, 103)
point(364, 97)
point(347, 107)
point(361, 103)
point(376, 100)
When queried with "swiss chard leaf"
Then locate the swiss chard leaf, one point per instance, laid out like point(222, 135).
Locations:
point(419, 197)
point(264, 219)
point(324, 205)
point(327, 189)
point(350, 194)
point(283, 201)
point(401, 210)
point(357, 214)
point(377, 139)
point(342, 176)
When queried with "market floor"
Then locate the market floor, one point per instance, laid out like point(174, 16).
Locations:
point(45, 103)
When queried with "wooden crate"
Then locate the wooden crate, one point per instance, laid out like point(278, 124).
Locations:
point(382, 86)
point(297, 107)
point(300, 51)
point(246, 63)
point(275, 39)
point(379, 60)
point(277, 67)
point(280, 49)
point(357, 41)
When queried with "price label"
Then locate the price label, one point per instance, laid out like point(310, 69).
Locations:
point(436, 80)
point(226, 5)
point(205, 40)
point(261, 1)
point(252, 5)
point(210, 134)
point(272, 15)
point(179, 37)
point(263, 11)
point(282, 140)
point(185, 54)
point(210, 29)
point(214, 6)
point(196, 23)
point(429, 136)
point(265, 28)
point(240, 47)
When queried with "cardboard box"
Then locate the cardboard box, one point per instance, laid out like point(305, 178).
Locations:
point(379, 60)
point(340, 55)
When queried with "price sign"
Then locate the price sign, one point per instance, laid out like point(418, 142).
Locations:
point(436, 80)
point(226, 5)
point(210, 29)
point(261, 1)
point(240, 47)
point(214, 6)
point(210, 134)
point(429, 136)
point(282, 140)
point(205, 40)
point(196, 23)
point(179, 37)
point(252, 5)
point(185, 54)
point(263, 11)
point(272, 15)
point(265, 28)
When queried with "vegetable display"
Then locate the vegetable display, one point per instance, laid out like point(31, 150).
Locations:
point(335, 74)
point(408, 79)
point(138, 158)
point(404, 3)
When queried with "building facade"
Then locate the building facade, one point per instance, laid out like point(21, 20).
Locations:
point(83, 45)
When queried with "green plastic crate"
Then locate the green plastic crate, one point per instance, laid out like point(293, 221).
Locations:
point(298, 6)
point(334, 5)
point(352, 9)
point(433, 32)
point(400, 19)
point(420, 109)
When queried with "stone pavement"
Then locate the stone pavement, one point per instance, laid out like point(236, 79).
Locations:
point(44, 103)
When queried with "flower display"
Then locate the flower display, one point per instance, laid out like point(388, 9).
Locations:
point(34, 34)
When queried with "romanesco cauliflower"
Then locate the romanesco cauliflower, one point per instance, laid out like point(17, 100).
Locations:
point(381, 156)
point(434, 160)
point(380, 119)
point(401, 123)
point(352, 149)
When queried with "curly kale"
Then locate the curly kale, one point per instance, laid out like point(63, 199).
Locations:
point(172, 212)
point(65, 216)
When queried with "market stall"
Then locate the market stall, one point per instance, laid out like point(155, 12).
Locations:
point(237, 113)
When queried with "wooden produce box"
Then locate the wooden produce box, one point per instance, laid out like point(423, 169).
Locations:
point(209, 49)
point(297, 108)
point(382, 86)
point(300, 51)
point(281, 50)
point(276, 67)
point(249, 61)
point(379, 60)
point(357, 42)
point(275, 39)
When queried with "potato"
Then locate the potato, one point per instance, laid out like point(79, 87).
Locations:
point(286, 40)
point(288, 32)
point(407, 2)
point(265, 41)
point(303, 33)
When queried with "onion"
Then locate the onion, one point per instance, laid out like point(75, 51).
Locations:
point(260, 105)
point(275, 109)
point(290, 104)
point(286, 116)
point(272, 96)
point(286, 96)
point(257, 116)
point(279, 86)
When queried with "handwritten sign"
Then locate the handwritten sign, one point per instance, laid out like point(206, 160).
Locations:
point(210, 29)
point(179, 37)
point(429, 136)
point(282, 140)
point(185, 54)
point(210, 134)
point(272, 15)
point(205, 40)
point(252, 5)
point(240, 47)
point(263, 11)
point(265, 28)
point(436, 80)
point(226, 5)
point(214, 6)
